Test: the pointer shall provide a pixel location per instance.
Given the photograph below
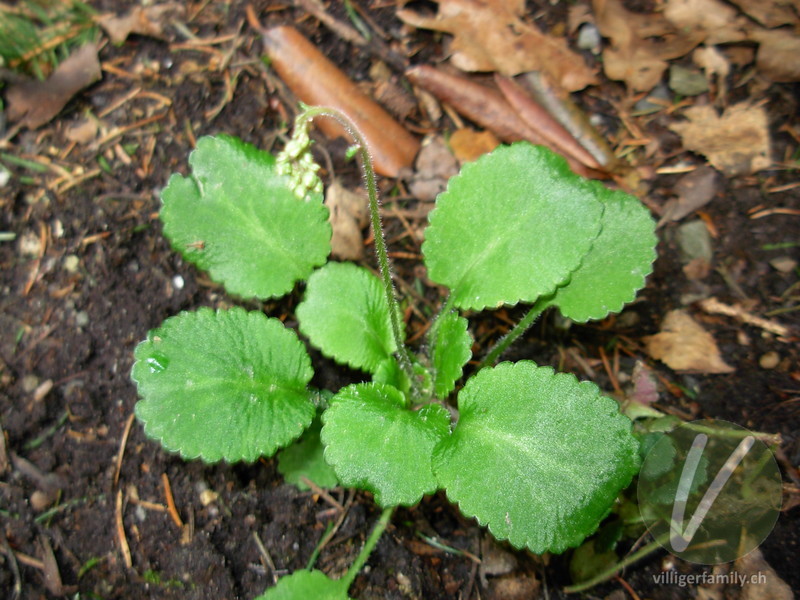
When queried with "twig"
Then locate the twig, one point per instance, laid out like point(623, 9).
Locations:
point(343, 30)
point(322, 493)
point(119, 131)
point(714, 306)
point(627, 587)
point(262, 550)
point(123, 541)
point(611, 375)
point(173, 511)
point(332, 530)
point(123, 442)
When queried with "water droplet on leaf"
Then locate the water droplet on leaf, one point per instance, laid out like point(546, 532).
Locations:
point(157, 362)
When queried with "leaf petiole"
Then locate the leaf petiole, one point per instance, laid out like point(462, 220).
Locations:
point(369, 546)
point(504, 342)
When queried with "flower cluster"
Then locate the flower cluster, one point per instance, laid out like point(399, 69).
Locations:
point(297, 163)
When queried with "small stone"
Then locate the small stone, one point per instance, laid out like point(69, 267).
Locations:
point(208, 496)
point(696, 269)
point(178, 282)
point(404, 584)
point(769, 360)
point(29, 245)
point(71, 263)
point(141, 513)
point(81, 318)
point(41, 500)
point(687, 82)
point(589, 38)
point(784, 264)
point(694, 241)
point(628, 318)
point(41, 391)
point(29, 383)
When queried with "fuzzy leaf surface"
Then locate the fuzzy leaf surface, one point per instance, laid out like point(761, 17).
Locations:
point(226, 384)
point(452, 348)
point(345, 314)
point(304, 585)
point(374, 442)
point(510, 227)
point(615, 268)
point(236, 218)
point(305, 458)
point(536, 456)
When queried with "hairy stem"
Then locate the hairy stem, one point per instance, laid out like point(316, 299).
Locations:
point(504, 342)
point(377, 228)
point(369, 546)
point(612, 570)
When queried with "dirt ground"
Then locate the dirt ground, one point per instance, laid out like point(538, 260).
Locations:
point(89, 273)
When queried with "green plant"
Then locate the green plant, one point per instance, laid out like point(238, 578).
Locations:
point(535, 455)
point(36, 36)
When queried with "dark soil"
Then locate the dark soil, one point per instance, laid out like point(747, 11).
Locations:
point(90, 273)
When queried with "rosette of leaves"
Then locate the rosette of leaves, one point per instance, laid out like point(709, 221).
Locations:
point(535, 456)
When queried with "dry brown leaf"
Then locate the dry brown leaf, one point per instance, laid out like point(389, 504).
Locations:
point(778, 52)
point(715, 65)
point(349, 215)
point(485, 106)
point(736, 143)
point(142, 20)
point(719, 23)
point(771, 13)
point(695, 190)
point(434, 166)
point(712, 20)
point(34, 103)
point(491, 36)
point(684, 345)
point(468, 144)
point(83, 131)
point(317, 81)
point(577, 15)
point(641, 44)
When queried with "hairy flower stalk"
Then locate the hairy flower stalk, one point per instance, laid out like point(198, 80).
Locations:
point(302, 123)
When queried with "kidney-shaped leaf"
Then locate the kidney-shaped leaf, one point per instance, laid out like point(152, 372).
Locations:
point(618, 263)
point(374, 442)
point(510, 227)
point(451, 351)
point(236, 218)
point(229, 384)
point(305, 585)
point(345, 314)
point(536, 456)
